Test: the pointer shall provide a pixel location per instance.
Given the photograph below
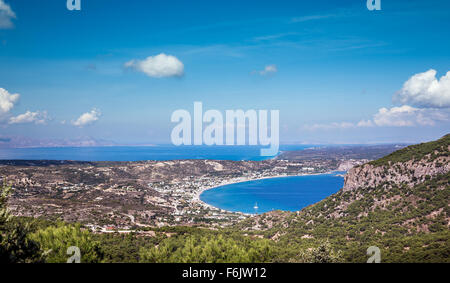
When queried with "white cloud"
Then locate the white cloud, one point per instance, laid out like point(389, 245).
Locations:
point(158, 66)
point(7, 100)
point(405, 116)
point(269, 69)
point(396, 116)
point(6, 15)
point(87, 118)
point(37, 117)
point(426, 91)
point(7, 103)
point(363, 123)
point(430, 96)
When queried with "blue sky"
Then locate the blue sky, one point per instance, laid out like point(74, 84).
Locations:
point(331, 65)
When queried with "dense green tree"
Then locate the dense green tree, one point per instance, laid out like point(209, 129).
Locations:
point(324, 253)
point(208, 249)
point(55, 241)
point(15, 246)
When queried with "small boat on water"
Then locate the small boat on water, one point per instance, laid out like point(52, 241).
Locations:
point(256, 206)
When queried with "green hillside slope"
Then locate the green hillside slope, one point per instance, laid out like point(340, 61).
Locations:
point(417, 152)
point(408, 224)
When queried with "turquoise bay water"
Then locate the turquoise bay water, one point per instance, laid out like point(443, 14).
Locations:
point(285, 193)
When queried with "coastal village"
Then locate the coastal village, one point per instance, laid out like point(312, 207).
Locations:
point(136, 196)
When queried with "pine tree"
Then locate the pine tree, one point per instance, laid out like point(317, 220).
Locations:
point(55, 241)
point(15, 246)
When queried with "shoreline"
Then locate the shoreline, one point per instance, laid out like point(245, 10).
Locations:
point(196, 197)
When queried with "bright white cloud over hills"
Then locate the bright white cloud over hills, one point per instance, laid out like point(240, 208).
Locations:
point(7, 103)
point(37, 117)
point(426, 91)
point(405, 116)
point(429, 97)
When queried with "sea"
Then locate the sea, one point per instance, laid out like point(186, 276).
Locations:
point(140, 153)
point(283, 193)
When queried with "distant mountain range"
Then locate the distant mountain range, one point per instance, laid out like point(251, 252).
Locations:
point(25, 142)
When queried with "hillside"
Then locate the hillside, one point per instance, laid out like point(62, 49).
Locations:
point(417, 152)
point(399, 203)
point(409, 166)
